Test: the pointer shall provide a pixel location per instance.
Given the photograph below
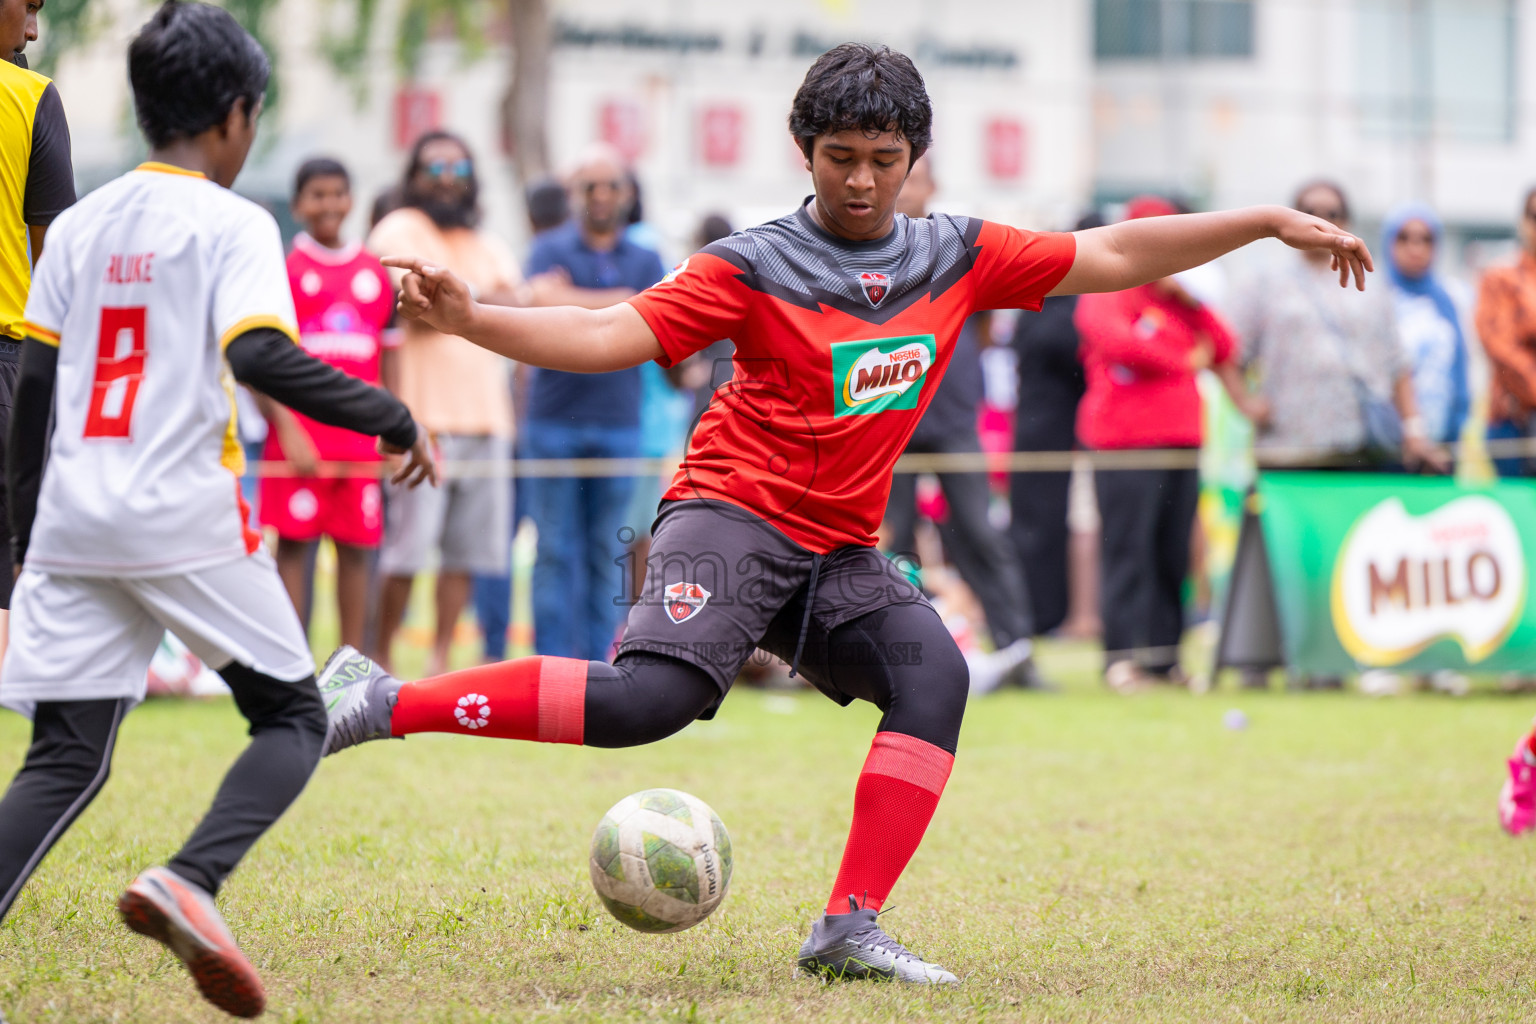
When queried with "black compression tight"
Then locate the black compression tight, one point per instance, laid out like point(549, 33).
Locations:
point(287, 731)
point(900, 658)
point(643, 698)
point(71, 753)
point(65, 768)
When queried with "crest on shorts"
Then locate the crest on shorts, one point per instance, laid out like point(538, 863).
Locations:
point(876, 287)
point(682, 601)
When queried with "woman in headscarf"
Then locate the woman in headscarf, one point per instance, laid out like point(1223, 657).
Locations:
point(1429, 322)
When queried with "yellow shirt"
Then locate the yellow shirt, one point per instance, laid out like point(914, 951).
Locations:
point(20, 92)
point(451, 386)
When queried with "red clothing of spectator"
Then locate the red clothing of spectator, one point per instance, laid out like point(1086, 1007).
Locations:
point(1136, 350)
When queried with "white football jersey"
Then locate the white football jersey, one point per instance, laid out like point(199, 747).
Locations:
point(142, 285)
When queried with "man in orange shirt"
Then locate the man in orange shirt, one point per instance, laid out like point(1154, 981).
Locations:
point(459, 393)
point(1506, 322)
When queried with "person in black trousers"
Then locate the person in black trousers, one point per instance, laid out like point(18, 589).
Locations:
point(983, 555)
point(1050, 386)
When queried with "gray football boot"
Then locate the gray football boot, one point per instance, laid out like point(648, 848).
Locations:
point(359, 699)
point(853, 945)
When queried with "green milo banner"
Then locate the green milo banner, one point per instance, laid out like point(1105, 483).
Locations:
point(1391, 571)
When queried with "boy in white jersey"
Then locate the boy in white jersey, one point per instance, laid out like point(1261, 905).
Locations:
point(155, 294)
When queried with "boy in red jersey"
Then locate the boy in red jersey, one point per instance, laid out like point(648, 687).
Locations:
point(344, 301)
point(844, 315)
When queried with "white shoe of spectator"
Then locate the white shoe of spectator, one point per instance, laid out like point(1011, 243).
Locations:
point(1380, 683)
point(989, 670)
point(1450, 682)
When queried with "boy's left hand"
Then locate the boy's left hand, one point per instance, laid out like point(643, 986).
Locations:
point(1306, 232)
point(418, 466)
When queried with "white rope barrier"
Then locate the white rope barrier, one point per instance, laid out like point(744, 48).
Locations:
point(963, 462)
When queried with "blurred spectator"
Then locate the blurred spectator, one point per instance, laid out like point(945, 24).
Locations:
point(344, 301)
point(983, 555)
point(1321, 353)
point(1506, 323)
point(458, 392)
point(664, 408)
point(577, 596)
point(1428, 321)
point(637, 228)
point(385, 203)
point(1045, 420)
point(548, 208)
point(707, 369)
point(1141, 350)
point(37, 183)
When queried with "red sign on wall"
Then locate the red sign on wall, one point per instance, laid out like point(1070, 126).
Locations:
point(1005, 151)
point(720, 135)
point(621, 124)
point(417, 111)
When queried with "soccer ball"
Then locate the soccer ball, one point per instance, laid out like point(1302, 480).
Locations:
point(661, 860)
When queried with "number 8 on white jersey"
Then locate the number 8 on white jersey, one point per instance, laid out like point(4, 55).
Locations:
point(142, 285)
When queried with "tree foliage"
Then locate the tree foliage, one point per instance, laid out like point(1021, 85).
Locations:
point(405, 26)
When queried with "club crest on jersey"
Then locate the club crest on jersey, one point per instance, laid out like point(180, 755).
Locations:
point(682, 601)
point(876, 287)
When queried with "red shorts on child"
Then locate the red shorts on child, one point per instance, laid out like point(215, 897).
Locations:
point(349, 510)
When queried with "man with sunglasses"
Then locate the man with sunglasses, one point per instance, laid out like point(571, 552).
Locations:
point(458, 391)
point(587, 262)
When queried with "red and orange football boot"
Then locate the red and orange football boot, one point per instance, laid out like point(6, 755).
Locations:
point(169, 909)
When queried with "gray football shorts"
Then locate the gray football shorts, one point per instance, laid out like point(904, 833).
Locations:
point(467, 521)
point(721, 582)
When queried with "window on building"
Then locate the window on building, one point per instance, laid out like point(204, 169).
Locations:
point(1158, 29)
point(1438, 69)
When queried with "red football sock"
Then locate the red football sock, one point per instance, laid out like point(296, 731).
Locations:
point(542, 699)
point(895, 799)
point(1527, 748)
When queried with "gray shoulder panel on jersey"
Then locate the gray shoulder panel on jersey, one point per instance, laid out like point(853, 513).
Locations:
point(795, 262)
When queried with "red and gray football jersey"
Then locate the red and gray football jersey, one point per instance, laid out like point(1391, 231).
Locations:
point(839, 348)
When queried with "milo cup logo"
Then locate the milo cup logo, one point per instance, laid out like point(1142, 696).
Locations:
point(880, 374)
point(1402, 582)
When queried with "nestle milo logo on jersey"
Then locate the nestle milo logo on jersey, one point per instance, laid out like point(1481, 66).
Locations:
point(880, 374)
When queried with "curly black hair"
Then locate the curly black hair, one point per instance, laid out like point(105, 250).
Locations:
point(870, 90)
point(189, 65)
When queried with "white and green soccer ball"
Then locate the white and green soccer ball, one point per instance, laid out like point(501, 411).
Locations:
point(661, 860)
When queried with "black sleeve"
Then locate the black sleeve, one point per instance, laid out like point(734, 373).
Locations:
point(26, 447)
point(50, 175)
point(270, 362)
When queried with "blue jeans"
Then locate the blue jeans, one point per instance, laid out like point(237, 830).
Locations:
point(579, 583)
point(1504, 430)
point(493, 593)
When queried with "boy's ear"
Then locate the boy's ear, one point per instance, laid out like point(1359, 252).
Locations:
point(236, 118)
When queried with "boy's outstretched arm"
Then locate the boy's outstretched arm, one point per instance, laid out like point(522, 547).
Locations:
point(554, 337)
point(1135, 252)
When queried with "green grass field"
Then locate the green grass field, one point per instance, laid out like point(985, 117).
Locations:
point(1095, 859)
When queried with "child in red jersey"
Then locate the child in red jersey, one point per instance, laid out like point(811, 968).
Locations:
point(344, 303)
point(845, 315)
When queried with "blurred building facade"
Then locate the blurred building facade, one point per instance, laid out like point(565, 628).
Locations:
point(1040, 105)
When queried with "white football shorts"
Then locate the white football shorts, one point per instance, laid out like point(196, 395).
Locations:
point(92, 637)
